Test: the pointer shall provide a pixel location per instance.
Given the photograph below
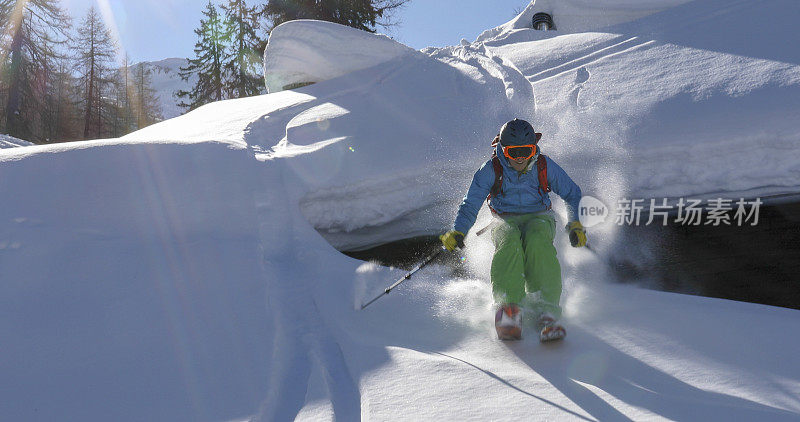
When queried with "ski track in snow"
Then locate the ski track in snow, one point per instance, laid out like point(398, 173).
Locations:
point(627, 45)
point(307, 344)
point(304, 344)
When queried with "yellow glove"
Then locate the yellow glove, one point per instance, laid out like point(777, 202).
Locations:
point(577, 234)
point(452, 239)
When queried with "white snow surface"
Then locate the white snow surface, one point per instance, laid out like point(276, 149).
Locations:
point(8, 141)
point(570, 16)
point(307, 51)
point(189, 271)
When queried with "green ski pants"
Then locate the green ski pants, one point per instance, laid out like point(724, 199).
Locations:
point(525, 262)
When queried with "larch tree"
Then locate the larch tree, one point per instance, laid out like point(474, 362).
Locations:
point(146, 106)
point(96, 51)
point(32, 33)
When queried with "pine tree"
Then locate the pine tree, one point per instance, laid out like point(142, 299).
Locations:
point(32, 32)
point(207, 65)
point(243, 59)
point(361, 14)
point(96, 51)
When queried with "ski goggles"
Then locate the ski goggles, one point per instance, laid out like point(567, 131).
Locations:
point(516, 152)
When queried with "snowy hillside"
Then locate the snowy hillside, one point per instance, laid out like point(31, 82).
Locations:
point(189, 271)
point(166, 81)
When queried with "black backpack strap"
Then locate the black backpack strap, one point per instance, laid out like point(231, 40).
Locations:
point(497, 187)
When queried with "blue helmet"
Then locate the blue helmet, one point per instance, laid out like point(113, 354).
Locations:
point(518, 132)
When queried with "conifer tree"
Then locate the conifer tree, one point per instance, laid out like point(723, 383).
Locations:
point(146, 107)
point(243, 59)
point(31, 32)
point(60, 117)
point(96, 51)
point(5, 62)
point(361, 14)
point(210, 50)
point(127, 96)
point(135, 103)
point(121, 121)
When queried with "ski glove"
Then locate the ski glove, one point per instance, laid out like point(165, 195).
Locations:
point(577, 234)
point(452, 239)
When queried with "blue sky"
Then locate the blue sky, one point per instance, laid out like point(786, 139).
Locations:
point(157, 29)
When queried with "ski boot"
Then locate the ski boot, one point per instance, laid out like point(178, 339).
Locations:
point(548, 329)
point(508, 322)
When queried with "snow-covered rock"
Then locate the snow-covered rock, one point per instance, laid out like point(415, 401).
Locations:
point(308, 51)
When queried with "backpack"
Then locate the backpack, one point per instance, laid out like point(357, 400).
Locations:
point(497, 187)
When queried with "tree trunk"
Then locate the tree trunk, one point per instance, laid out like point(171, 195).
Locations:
point(14, 122)
point(90, 88)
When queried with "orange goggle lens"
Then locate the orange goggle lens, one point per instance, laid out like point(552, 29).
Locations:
point(516, 152)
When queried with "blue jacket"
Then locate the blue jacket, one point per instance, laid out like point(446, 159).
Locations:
point(520, 192)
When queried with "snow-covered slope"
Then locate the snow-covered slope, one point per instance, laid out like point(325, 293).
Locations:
point(178, 273)
point(7, 141)
point(166, 81)
point(672, 104)
point(571, 16)
point(686, 97)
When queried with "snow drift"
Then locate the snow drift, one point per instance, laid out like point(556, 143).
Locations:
point(178, 273)
point(7, 141)
point(571, 16)
point(306, 51)
point(661, 106)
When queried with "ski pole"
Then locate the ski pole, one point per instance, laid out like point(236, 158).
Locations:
point(406, 277)
point(488, 226)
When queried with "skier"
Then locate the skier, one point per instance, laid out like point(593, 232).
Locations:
point(515, 182)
